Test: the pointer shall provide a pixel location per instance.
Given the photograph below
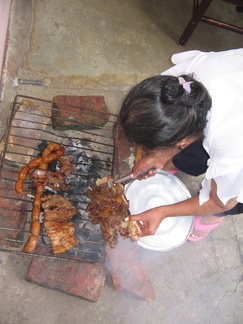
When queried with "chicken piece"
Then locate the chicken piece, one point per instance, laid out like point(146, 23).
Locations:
point(109, 207)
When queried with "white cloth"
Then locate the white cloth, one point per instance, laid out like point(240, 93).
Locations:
point(222, 75)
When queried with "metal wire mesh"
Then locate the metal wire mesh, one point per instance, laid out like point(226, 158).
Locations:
point(88, 138)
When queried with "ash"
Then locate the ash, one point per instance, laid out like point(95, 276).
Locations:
point(86, 171)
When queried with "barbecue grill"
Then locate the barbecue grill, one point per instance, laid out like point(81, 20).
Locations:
point(89, 141)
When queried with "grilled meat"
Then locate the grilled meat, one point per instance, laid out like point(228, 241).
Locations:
point(54, 180)
point(57, 208)
point(57, 213)
point(109, 207)
point(66, 165)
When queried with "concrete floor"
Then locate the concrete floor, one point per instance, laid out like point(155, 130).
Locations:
point(98, 47)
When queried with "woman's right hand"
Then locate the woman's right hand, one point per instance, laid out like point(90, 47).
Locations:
point(155, 160)
point(146, 163)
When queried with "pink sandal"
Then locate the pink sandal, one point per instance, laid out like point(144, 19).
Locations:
point(173, 171)
point(201, 227)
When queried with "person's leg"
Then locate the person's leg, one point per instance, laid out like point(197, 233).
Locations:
point(205, 224)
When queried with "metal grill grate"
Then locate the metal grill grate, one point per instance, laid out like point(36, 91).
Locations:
point(89, 141)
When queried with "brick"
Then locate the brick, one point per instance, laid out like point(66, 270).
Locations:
point(79, 112)
point(128, 270)
point(80, 279)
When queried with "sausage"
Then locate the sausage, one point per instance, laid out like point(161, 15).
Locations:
point(43, 166)
point(53, 146)
point(35, 213)
point(35, 228)
point(51, 157)
point(52, 152)
point(40, 188)
point(37, 200)
point(50, 147)
point(35, 163)
point(19, 186)
point(46, 152)
point(31, 244)
point(23, 173)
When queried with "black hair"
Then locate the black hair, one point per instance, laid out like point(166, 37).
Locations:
point(159, 112)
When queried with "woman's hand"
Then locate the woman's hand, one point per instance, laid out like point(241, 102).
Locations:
point(149, 220)
point(152, 218)
point(155, 160)
point(146, 163)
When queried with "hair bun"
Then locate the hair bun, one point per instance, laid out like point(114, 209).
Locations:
point(171, 91)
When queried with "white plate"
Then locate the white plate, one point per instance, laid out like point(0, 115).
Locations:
point(162, 189)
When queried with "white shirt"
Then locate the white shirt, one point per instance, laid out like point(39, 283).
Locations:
point(222, 75)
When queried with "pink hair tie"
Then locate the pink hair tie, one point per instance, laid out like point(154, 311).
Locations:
point(186, 85)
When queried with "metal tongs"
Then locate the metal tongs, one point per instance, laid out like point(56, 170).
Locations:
point(128, 179)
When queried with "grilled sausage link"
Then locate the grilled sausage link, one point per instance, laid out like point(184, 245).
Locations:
point(50, 147)
point(35, 228)
point(23, 173)
point(35, 214)
point(19, 187)
point(52, 152)
point(35, 163)
point(31, 244)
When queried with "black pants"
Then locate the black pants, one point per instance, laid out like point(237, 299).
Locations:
point(193, 160)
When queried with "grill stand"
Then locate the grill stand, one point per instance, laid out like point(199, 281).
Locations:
point(81, 279)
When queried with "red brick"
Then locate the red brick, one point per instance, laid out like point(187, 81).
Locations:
point(128, 270)
point(80, 279)
point(79, 112)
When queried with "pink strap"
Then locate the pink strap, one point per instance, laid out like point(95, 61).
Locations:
point(204, 227)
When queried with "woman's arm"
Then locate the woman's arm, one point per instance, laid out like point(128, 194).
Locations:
point(152, 218)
